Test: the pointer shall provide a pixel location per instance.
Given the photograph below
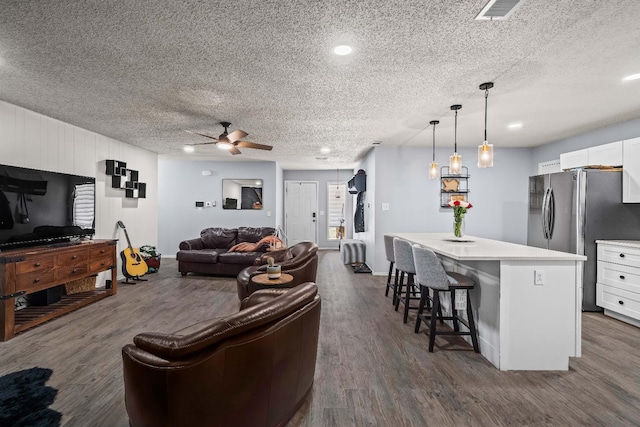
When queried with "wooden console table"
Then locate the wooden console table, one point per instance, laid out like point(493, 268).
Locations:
point(28, 270)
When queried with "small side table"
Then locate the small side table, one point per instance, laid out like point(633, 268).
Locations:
point(262, 281)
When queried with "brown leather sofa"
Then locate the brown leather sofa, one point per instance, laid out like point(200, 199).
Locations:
point(300, 260)
point(209, 254)
point(252, 368)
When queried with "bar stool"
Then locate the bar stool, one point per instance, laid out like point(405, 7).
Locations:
point(388, 249)
point(431, 274)
point(404, 263)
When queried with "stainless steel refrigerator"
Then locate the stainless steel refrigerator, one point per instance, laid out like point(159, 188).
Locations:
point(569, 211)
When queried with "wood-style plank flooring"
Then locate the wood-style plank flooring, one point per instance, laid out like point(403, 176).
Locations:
point(372, 369)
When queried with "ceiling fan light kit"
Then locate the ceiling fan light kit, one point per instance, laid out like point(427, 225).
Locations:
point(231, 141)
point(433, 168)
point(455, 161)
point(485, 150)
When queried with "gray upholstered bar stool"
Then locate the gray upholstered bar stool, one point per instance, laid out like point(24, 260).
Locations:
point(431, 274)
point(404, 263)
point(388, 249)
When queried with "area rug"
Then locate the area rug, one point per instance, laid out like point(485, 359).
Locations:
point(25, 399)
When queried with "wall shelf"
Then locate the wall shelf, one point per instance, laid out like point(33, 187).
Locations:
point(126, 179)
point(453, 186)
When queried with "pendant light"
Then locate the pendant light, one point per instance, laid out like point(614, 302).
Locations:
point(485, 150)
point(455, 161)
point(433, 169)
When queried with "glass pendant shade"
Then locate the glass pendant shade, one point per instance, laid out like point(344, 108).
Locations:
point(433, 170)
point(485, 155)
point(455, 164)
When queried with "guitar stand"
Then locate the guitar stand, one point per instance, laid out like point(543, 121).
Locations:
point(134, 278)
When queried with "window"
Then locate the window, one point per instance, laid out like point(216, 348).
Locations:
point(337, 194)
point(83, 205)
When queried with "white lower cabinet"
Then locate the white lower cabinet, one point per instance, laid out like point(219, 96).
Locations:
point(618, 279)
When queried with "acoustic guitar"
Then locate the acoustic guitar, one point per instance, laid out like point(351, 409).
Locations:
point(132, 263)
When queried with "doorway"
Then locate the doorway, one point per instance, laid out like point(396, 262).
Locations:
point(301, 211)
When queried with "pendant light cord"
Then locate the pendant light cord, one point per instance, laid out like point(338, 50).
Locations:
point(455, 134)
point(434, 144)
point(486, 96)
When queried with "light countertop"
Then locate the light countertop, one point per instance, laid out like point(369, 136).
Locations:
point(480, 249)
point(627, 243)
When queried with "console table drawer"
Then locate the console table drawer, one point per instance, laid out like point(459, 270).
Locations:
point(618, 300)
point(71, 272)
point(34, 264)
point(101, 264)
point(33, 280)
point(71, 258)
point(102, 252)
point(619, 254)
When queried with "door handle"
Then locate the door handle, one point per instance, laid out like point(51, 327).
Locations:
point(552, 213)
point(545, 205)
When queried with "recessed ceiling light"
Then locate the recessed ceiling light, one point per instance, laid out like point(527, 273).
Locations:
point(632, 77)
point(342, 50)
point(325, 150)
point(515, 126)
point(188, 149)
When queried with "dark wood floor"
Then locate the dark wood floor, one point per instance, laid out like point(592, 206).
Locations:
point(372, 369)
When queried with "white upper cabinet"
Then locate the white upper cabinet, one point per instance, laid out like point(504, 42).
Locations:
point(574, 159)
point(601, 155)
point(606, 154)
point(631, 171)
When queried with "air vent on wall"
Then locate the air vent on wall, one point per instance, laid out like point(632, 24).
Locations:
point(498, 10)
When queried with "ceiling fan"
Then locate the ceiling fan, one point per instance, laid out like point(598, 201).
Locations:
point(231, 141)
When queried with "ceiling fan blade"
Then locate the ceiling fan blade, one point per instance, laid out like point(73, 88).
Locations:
point(234, 150)
point(203, 143)
point(236, 135)
point(248, 144)
point(202, 134)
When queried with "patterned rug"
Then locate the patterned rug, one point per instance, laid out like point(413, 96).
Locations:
point(25, 399)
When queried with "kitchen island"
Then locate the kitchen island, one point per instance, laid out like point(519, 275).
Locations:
point(527, 301)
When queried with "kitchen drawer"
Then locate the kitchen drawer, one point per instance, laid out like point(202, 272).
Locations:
point(618, 300)
point(619, 254)
point(620, 276)
point(33, 280)
point(100, 264)
point(71, 272)
point(34, 264)
point(71, 258)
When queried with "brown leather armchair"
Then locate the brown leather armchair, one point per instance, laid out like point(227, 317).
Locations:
point(252, 368)
point(300, 261)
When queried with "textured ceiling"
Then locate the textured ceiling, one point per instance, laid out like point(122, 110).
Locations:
point(143, 72)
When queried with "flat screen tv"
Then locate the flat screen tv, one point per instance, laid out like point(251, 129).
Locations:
point(40, 207)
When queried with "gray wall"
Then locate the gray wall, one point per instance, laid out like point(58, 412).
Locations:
point(323, 177)
point(181, 184)
point(399, 177)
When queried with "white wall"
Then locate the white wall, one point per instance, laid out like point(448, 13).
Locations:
point(323, 177)
point(29, 139)
point(181, 184)
point(399, 177)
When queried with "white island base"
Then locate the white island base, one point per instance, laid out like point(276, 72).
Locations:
point(523, 323)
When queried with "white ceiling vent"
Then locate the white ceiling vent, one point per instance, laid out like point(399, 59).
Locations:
point(498, 10)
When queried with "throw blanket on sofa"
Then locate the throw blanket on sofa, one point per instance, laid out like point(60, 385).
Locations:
point(260, 246)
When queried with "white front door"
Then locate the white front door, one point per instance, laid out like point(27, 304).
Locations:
point(300, 211)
